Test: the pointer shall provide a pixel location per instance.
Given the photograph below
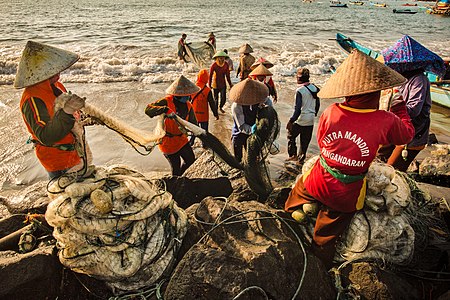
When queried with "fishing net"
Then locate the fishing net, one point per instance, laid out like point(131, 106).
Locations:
point(200, 53)
point(116, 225)
point(134, 136)
point(259, 146)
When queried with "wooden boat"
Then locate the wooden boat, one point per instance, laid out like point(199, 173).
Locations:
point(440, 8)
point(337, 4)
point(440, 94)
point(378, 4)
point(356, 2)
point(409, 4)
point(404, 11)
point(440, 90)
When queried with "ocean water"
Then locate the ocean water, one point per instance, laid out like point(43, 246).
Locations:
point(128, 58)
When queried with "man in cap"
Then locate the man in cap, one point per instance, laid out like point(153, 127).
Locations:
point(219, 71)
point(301, 122)
point(246, 96)
point(175, 144)
point(50, 128)
point(348, 136)
point(246, 60)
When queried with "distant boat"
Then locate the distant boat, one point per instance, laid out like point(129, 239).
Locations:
point(440, 90)
point(356, 2)
point(337, 4)
point(409, 4)
point(441, 7)
point(378, 4)
point(404, 11)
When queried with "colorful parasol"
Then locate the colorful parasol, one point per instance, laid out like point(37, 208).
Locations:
point(407, 54)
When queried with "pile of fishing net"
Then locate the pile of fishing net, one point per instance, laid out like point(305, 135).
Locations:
point(259, 146)
point(392, 223)
point(116, 225)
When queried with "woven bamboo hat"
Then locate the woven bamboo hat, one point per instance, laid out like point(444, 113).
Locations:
point(263, 61)
point(220, 54)
point(260, 70)
point(360, 74)
point(40, 62)
point(246, 48)
point(249, 92)
point(182, 87)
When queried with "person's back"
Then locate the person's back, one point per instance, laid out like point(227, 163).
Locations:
point(348, 135)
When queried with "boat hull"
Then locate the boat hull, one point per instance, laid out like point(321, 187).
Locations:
point(440, 96)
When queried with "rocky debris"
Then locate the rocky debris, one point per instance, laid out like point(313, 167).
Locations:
point(32, 199)
point(250, 257)
point(432, 165)
point(187, 191)
point(209, 165)
point(438, 164)
point(29, 274)
point(263, 254)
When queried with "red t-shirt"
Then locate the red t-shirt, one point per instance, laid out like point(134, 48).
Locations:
point(220, 74)
point(349, 139)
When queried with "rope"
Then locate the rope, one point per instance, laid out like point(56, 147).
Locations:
point(227, 221)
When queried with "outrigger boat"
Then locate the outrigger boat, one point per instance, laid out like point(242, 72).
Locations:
point(337, 4)
point(440, 90)
point(404, 11)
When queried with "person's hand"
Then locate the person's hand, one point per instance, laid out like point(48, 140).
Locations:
point(217, 117)
point(289, 126)
point(73, 103)
point(254, 128)
point(275, 99)
point(171, 115)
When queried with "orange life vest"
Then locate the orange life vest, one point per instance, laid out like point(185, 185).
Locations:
point(200, 105)
point(52, 158)
point(174, 139)
point(200, 100)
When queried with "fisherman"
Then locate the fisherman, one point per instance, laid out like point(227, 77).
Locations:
point(219, 71)
point(175, 144)
point(416, 93)
point(348, 135)
point(301, 122)
point(50, 128)
point(268, 80)
point(182, 47)
point(245, 61)
point(229, 61)
point(246, 96)
point(262, 74)
point(212, 40)
point(200, 102)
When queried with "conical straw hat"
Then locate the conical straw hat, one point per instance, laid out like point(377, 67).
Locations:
point(260, 70)
point(182, 87)
point(220, 54)
point(263, 61)
point(249, 92)
point(360, 74)
point(40, 62)
point(246, 48)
